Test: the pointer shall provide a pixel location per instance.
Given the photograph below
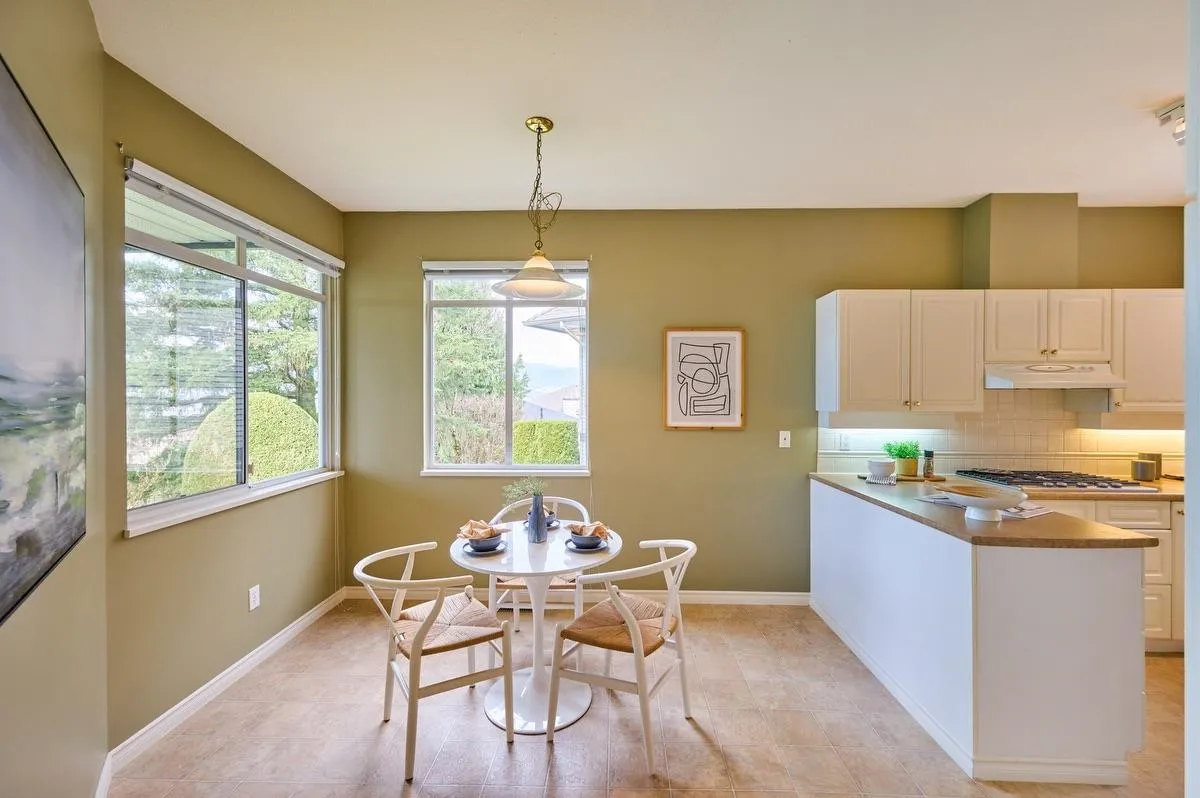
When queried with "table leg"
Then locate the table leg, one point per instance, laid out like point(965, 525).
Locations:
point(531, 686)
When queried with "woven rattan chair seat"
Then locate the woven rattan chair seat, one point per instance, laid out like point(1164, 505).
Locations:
point(603, 627)
point(462, 622)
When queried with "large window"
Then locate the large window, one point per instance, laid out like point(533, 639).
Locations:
point(226, 351)
point(506, 380)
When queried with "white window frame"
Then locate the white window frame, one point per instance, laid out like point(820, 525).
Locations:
point(498, 270)
point(245, 228)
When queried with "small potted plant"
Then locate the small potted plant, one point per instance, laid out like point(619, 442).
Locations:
point(905, 453)
point(530, 488)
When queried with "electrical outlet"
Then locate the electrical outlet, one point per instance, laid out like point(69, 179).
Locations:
point(255, 598)
point(843, 442)
point(785, 439)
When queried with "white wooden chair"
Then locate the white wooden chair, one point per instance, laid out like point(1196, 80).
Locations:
point(450, 622)
point(632, 625)
point(507, 594)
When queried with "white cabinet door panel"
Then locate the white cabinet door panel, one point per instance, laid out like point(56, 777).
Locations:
point(1148, 349)
point(1016, 326)
point(1080, 325)
point(1134, 515)
point(1156, 602)
point(1079, 508)
point(1159, 559)
point(946, 372)
point(873, 350)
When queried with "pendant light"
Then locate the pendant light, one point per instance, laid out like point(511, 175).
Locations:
point(537, 278)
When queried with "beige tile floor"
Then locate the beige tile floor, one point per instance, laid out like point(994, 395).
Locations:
point(780, 706)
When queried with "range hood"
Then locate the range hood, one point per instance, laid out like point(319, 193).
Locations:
point(1050, 375)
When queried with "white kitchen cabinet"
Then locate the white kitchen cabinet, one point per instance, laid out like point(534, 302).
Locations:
point(1074, 507)
point(1148, 350)
point(1177, 595)
point(899, 351)
point(1156, 603)
point(1159, 560)
point(862, 351)
point(946, 351)
point(1016, 326)
point(1030, 325)
point(1079, 323)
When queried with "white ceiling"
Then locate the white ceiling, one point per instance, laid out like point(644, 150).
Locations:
point(404, 105)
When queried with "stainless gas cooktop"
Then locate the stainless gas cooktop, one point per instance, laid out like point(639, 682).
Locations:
point(1055, 480)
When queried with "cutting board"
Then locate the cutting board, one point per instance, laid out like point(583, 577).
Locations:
point(934, 478)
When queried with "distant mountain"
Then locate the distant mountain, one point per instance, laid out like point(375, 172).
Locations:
point(544, 376)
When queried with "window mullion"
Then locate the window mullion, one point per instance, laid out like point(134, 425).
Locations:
point(508, 383)
point(243, 402)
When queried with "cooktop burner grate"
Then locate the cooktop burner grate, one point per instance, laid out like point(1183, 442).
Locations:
point(1054, 480)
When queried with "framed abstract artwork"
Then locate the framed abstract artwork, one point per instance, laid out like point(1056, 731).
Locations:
point(704, 378)
point(42, 351)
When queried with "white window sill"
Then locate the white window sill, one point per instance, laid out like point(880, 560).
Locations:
point(505, 472)
point(141, 520)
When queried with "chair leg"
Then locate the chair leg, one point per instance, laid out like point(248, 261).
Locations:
point(555, 671)
point(506, 645)
point(515, 596)
point(410, 733)
point(578, 601)
point(639, 665)
point(471, 663)
point(681, 652)
point(608, 662)
point(492, 599)
point(389, 688)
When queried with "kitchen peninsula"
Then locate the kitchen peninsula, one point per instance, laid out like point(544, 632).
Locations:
point(1017, 645)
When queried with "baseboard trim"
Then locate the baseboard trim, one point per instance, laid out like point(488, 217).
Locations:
point(743, 597)
point(1058, 771)
point(953, 749)
point(105, 780)
point(165, 723)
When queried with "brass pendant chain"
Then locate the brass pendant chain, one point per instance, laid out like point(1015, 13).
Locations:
point(541, 205)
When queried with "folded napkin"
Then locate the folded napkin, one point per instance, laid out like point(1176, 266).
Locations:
point(595, 528)
point(478, 530)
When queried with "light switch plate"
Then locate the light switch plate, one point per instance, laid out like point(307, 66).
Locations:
point(785, 439)
point(255, 598)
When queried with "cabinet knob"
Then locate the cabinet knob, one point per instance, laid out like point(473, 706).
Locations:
point(1116, 404)
point(1054, 351)
point(907, 403)
point(918, 404)
point(1045, 351)
point(1180, 511)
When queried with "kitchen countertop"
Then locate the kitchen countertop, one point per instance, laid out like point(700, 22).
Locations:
point(1053, 531)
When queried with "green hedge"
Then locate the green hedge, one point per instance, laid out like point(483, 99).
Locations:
point(283, 439)
point(546, 443)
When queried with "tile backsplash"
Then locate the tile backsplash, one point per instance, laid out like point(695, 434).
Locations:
point(1018, 429)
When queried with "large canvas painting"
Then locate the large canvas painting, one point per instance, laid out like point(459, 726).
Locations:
point(704, 380)
point(41, 351)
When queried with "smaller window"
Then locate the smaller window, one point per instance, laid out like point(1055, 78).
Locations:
point(507, 379)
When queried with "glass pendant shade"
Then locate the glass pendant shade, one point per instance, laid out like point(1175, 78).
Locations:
point(537, 280)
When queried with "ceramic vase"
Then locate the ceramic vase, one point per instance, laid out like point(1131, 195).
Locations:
point(536, 525)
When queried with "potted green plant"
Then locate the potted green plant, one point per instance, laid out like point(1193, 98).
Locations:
point(905, 453)
point(530, 488)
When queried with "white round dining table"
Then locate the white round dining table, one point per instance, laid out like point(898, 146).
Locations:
point(537, 563)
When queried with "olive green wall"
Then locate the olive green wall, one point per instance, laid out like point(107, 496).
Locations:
point(52, 648)
point(1131, 247)
point(177, 597)
point(1022, 241)
point(743, 499)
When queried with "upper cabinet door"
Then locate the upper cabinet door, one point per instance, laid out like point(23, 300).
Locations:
point(1148, 349)
point(1080, 327)
point(947, 351)
point(1015, 326)
point(873, 345)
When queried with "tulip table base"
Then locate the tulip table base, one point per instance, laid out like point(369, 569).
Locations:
point(531, 701)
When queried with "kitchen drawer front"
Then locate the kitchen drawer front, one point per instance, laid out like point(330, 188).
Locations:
point(1160, 560)
point(1078, 508)
point(1156, 601)
point(1134, 515)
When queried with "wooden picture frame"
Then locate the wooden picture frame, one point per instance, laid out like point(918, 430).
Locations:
point(704, 378)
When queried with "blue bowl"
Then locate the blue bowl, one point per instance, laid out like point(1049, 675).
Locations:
point(485, 544)
point(586, 541)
